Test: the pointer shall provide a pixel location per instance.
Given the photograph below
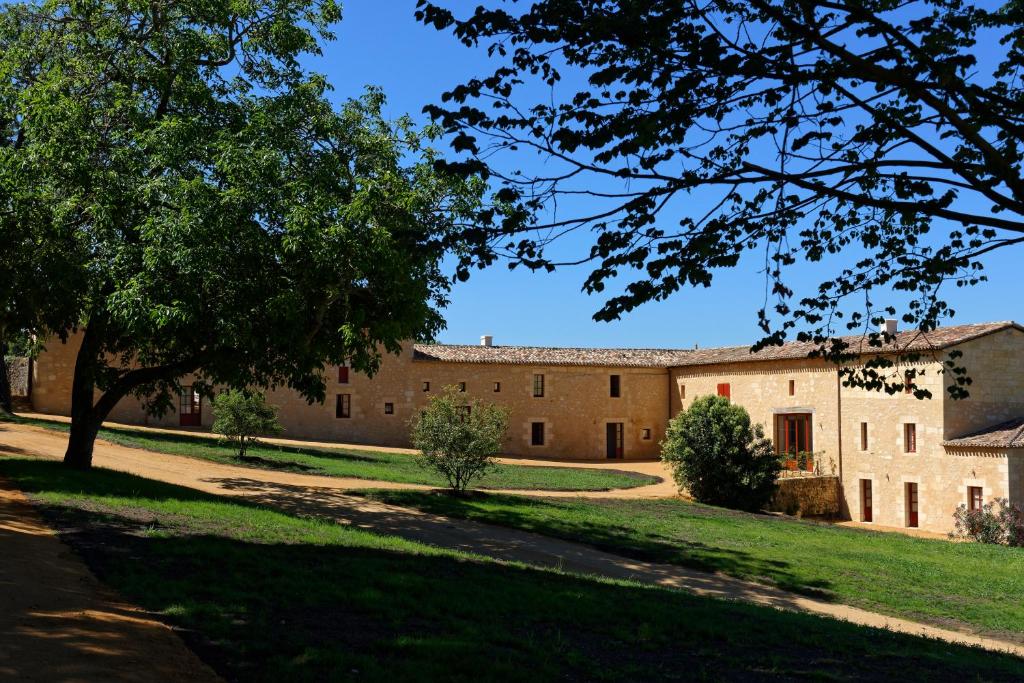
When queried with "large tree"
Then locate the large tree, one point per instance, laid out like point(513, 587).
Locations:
point(233, 223)
point(685, 133)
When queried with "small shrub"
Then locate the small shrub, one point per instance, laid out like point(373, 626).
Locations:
point(998, 522)
point(719, 456)
point(241, 417)
point(458, 437)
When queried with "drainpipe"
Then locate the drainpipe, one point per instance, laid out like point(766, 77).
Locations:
point(839, 425)
point(670, 380)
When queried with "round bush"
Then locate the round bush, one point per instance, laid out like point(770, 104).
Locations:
point(719, 456)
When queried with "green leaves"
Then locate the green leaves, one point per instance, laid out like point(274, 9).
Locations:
point(691, 133)
point(458, 437)
point(719, 457)
point(212, 212)
point(242, 417)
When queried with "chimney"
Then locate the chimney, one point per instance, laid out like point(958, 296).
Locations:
point(890, 326)
point(486, 340)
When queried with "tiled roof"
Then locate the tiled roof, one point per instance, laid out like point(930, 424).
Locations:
point(543, 355)
point(908, 341)
point(1008, 434)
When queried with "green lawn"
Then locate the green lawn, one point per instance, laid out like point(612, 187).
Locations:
point(264, 596)
point(944, 583)
point(341, 462)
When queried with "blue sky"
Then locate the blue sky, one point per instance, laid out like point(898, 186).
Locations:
point(380, 43)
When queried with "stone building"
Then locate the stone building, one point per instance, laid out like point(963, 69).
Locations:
point(902, 461)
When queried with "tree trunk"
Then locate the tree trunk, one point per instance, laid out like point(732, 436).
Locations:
point(84, 429)
point(6, 403)
point(85, 417)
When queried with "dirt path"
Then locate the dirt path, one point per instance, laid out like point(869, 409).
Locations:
point(663, 489)
point(59, 623)
point(325, 496)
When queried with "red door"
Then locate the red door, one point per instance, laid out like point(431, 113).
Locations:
point(190, 408)
point(911, 505)
point(865, 500)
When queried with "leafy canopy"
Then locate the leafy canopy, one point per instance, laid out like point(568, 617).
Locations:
point(864, 134)
point(242, 417)
point(225, 219)
point(458, 437)
point(719, 457)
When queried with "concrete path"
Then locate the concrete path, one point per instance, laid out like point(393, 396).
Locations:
point(325, 496)
point(59, 623)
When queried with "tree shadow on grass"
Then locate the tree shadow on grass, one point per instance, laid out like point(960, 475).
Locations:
point(618, 539)
point(287, 611)
point(511, 535)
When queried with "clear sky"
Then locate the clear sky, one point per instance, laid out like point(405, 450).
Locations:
point(380, 43)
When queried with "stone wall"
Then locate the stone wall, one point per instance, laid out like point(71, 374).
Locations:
point(575, 409)
point(807, 497)
point(17, 373)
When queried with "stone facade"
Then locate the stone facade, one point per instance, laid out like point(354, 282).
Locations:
point(807, 496)
point(18, 374)
point(897, 443)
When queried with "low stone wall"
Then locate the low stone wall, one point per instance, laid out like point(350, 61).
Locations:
point(807, 496)
point(17, 372)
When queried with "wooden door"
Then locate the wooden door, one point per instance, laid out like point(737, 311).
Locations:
point(867, 514)
point(911, 505)
point(614, 440)
point(190, 408)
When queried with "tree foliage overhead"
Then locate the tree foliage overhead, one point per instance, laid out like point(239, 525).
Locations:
point(227, 219)
point(799, 130)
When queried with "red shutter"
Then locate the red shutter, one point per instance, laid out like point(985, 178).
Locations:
point(342, 374)
point(723, 390)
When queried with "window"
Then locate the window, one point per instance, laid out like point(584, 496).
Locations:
point(910, 438)
point(793, 433)
point(645, 434)
point(723, 390)
point(466, 411)
point(910, 495)
point(614, 386)
point(190, 407)
point(866, 511)
point(343, 406)
point(462, 387)
point(389, 408)
point(342, 374)
point(536, 433)
point(863, 436)
point(975, 498)
point(497, 387)
point(682, 391)
point(908, 382)
point(426, 386)
point(188, 402)
point(538, 386)
point(792, 387)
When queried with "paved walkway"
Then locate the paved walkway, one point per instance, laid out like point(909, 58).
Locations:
point(59, 623)
point(325, 496)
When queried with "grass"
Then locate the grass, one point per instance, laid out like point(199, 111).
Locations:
point(948, 584)
point(265, 596)
point(360, 464)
